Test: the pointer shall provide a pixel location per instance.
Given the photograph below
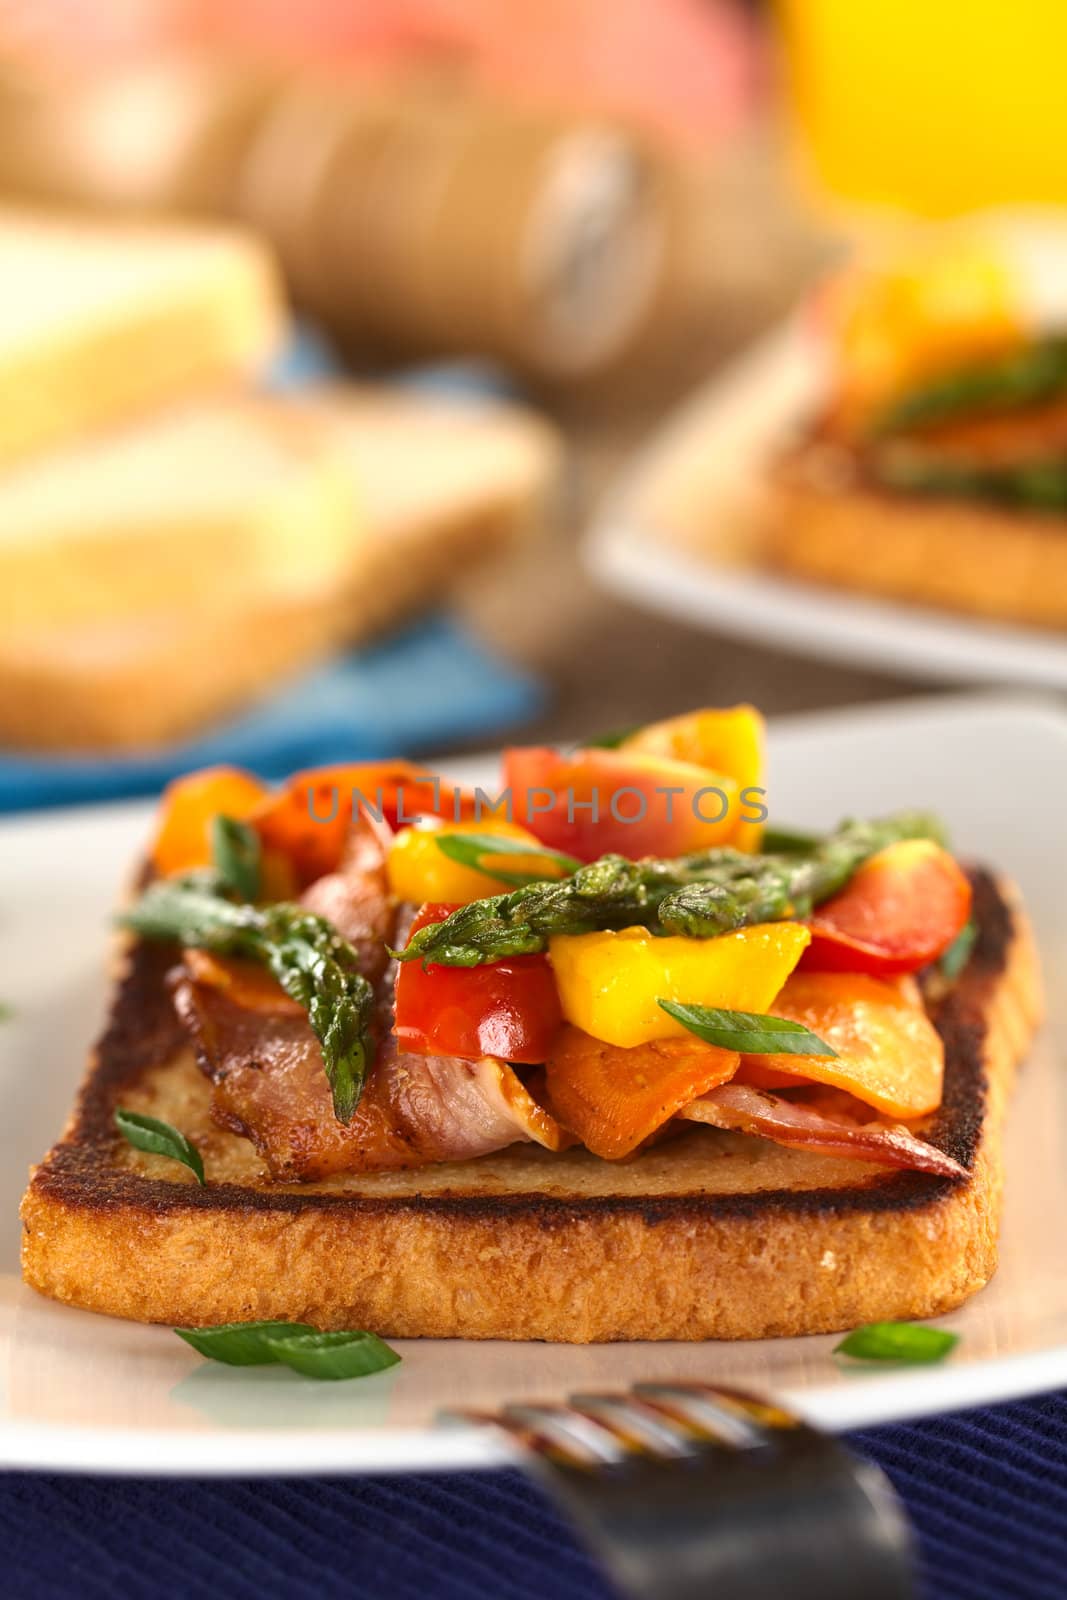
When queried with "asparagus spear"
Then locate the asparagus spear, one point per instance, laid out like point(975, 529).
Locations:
point(775, 887)
point(1024, 377)
point(1036, 485)
point(313, 964)
point(700, 896)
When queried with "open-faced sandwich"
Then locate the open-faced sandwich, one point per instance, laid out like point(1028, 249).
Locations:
point(937, 470)
point(611, 1060)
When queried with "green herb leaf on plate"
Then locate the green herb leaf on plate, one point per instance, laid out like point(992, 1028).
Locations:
point(911, 1342)
point(236, 851)
point(242, 1344)
point(333, 1355)
point(352, 1354)
point(159, 1139)
point(475, 849)
point(750, 1032)
point(959, 952)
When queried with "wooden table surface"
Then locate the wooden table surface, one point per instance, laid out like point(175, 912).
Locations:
point(608, 664)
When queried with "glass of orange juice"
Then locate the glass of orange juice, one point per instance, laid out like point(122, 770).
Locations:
point(931, 106)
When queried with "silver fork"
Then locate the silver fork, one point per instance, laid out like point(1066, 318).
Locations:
point(690, 1490)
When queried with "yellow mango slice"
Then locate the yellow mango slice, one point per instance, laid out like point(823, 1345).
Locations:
point(610, 983)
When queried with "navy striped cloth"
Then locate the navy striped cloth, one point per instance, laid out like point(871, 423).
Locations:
point(986, 1491)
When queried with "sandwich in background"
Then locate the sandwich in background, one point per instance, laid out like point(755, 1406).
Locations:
point(936, 469)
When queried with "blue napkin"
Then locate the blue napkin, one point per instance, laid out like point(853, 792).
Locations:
point(986, 1492)
point(309, 357)
point(429, 686)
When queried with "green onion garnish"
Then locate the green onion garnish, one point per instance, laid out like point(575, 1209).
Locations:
point(242, 1344)
point(159, 1139)
point(334, 1355)
point(611, 741)
point(351, 1354)
point(749, 1032)
point(897, 1341)
point(786, 841)
point(473, 850)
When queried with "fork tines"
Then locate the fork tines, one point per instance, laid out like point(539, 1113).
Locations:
point(688, 1490)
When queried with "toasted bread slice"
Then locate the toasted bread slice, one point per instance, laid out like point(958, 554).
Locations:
point(99, 320)
point(167, 573)
point(826, 522)
point(188, 507)
point(134, 684)
point(440, 483)
point(707, 1235)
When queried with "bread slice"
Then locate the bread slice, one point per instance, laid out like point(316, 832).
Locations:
point(708, 1235)
point(164, 575)
point(132, 684)
point(826, 522)
point(192, 504)
point(99, 320)
point(440, 482)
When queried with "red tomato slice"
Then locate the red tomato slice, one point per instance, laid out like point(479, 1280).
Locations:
point(601, 801)
point(902, 910)
point(506, 1008)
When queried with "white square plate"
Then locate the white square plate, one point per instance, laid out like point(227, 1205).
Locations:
point(90, 1393)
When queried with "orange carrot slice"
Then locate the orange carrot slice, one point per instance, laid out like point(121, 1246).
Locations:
point(614, 1098)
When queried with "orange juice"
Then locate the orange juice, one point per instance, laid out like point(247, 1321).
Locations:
point(934, 106)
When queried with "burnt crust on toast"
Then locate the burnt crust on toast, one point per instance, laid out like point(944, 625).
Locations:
point(474, 1266)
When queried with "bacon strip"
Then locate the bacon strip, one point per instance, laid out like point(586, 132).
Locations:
point(270, 1082)
point(270, 1086)
point(744, 1109)
point(356, 900)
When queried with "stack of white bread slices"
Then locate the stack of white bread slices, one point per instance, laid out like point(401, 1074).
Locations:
point(174, 540)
